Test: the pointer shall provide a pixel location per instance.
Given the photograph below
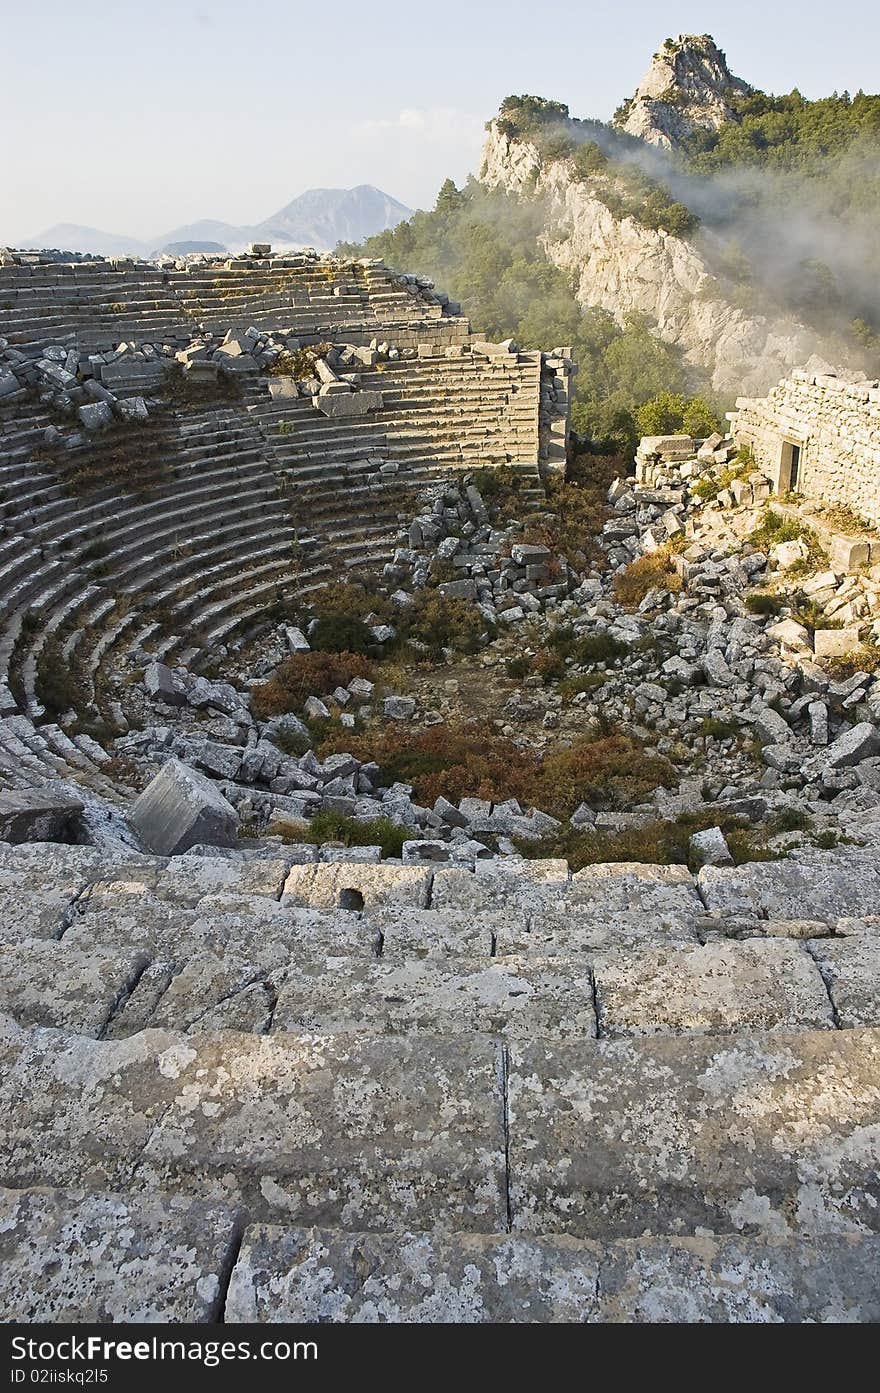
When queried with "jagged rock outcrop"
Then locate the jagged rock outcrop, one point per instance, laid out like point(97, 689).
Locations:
point(624, 267)
point(688, 85)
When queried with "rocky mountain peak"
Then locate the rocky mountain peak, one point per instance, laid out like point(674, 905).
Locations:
point(687, 85)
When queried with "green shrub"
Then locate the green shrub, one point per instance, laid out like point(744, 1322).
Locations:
point(59, 684)
point(341, 634)
point(777, 527)
point(437, 622)
point(762, 602)
point(517, 668)
point(654, 571)
point(380, 831)
point(598, 648)
point(304, 675)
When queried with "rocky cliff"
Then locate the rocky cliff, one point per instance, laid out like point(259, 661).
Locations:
point(624, 267)
point(687, 86)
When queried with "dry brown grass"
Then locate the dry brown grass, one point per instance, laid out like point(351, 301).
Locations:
point(655, 571)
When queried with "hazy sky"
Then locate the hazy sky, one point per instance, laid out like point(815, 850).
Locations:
point(135, 118)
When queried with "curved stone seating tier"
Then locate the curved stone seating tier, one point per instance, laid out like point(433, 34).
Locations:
point(508, 1093)
point(100, 304)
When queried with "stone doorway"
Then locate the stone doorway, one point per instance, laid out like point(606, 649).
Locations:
point(789, 467)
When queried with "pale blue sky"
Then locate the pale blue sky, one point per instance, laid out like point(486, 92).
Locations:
point(137, 118)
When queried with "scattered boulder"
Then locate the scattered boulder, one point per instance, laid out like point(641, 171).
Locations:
point(180, 809)
point(49, 814)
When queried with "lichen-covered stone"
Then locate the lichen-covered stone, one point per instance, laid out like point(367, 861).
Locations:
point(725, 985)
point(325, 1275)
point(54, 984)
point(356, 886)
point(312, 1275)
point(829, 887)
point(765, 1134)
point(72, 1257)
point(851, 969)
point(515, 998)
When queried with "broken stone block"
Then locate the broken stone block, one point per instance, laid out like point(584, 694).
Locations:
point(835, 643)
point(315, 709)
point(709, 848)
point(789, 634)
point(859, 742)
point(180, 809)
point(95, 415)
point(296, 640)
point(162, 685)
point(818, 713)
point(848, 553)
point(771, 728)
point(399, 708)
point(38, 815)
point(787, 554)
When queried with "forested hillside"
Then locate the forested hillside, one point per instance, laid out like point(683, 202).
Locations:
point(481, 247)
point(782, 201)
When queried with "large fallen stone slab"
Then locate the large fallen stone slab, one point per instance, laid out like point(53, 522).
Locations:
point(723, 985)
point(48, 814)
point(180, 809)
point(828, 887)
point(859, 742)
point(513, 998)
point(757, 1134)
point(326, 1275)
point(72, 1257)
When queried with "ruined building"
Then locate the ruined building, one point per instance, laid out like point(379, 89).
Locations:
point(818, 434)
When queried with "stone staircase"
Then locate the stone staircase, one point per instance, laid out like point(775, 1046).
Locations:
point(507, 1094)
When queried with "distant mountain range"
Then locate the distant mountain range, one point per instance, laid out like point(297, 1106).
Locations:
point(317, 218)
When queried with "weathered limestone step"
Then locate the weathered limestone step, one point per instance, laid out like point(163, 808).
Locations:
point(820, 885)
point(47, 983)
point(321, 1275)
point(346, 1131)
point(718, 987)
point(770, 1135)
point(69, 1256)
point(851, 969)
point(513, 998)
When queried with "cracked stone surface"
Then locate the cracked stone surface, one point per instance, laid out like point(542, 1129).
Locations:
point(76, 1257)
point(765, 1134)
point(827, 887)
point(48, 983)
point(571, 932)
point(851, 968)
point(417, 933)
point(725, 985)
point(361, 1131)
point(321, 1275)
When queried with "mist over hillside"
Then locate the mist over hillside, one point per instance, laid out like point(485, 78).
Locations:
point(751, 215)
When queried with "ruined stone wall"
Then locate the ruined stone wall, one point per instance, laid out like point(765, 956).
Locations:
point(835, 424)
